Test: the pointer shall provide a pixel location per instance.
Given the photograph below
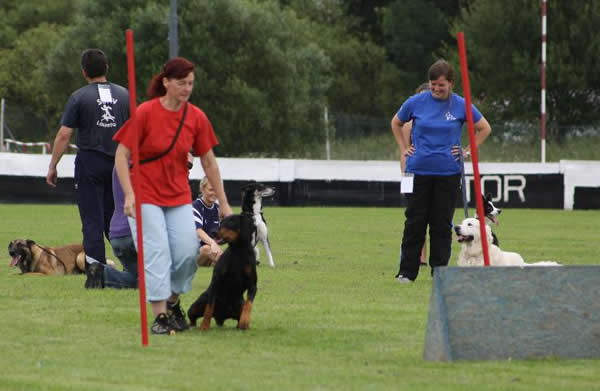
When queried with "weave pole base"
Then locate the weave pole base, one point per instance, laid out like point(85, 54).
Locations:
point(499, 313)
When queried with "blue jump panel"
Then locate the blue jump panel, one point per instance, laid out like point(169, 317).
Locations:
point(497, 313)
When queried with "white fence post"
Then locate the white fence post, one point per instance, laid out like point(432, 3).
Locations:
point(2, 125)
point(326, 121)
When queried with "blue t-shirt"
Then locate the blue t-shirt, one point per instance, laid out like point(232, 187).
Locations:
point(97, 117)
point(206, 219)
point(436, 128)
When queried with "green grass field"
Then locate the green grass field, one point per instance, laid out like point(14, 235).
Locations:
point(330, 316)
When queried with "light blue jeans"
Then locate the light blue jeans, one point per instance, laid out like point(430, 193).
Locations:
point(170, 249)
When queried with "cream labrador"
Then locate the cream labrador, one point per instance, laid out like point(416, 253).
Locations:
point(471, 252)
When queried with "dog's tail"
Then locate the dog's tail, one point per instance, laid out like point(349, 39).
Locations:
point(544, 263)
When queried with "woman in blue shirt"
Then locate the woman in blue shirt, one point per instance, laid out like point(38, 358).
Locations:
point(432, 156)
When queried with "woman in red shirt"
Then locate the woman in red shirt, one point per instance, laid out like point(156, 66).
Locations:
point(170, 243)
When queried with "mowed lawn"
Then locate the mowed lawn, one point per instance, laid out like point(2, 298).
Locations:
point(330, 316)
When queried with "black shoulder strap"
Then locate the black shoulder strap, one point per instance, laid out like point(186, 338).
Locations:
point(153, 158)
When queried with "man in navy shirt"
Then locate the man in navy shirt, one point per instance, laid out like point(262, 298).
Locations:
point(206, 217)
point(97, 111)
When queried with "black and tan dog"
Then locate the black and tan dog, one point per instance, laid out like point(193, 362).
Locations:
point(234, 274)
point(30, 257)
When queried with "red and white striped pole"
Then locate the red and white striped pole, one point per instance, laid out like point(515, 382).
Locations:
point(543, 104)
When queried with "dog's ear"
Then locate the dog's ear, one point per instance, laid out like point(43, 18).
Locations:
point(248, 185)
point(30, 242)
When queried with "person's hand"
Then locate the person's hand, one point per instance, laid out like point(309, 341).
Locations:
point(410, 150)
point(456, 151)
point(51, 177)
point(129, 205)
point(215, 250)
point(467, 153)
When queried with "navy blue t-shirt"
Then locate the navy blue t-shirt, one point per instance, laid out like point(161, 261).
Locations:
point(206, 219)
point(436, 128)
point(96, 116)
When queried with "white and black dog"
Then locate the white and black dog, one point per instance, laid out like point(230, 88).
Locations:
point(471, 252)
point(491, 214)
point(252, 195)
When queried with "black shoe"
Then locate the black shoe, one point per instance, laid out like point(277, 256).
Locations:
point(95, 275)
point(176, 317)
point(162, 325)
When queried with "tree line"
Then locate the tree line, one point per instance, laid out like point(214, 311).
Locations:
point(265, 69)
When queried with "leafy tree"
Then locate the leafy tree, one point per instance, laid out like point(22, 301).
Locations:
point(415, 33)
point(363, 80)
point(20, 16)
point(21, 78)
point(259, 75)
point(29, 31)
point(503, 44)
point(262, 78)
point(369, 14)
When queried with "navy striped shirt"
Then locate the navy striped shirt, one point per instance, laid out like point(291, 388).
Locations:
point(206, 219)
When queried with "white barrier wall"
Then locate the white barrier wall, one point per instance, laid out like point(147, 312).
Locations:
point(509, 176)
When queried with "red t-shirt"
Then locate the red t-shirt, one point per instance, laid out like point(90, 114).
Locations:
point(164, 182)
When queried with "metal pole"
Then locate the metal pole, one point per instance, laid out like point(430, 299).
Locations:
point(464, 71)
point(326, 120)
point(543, 104)
point(173, 36)
point(136, 189)
point(2, 126)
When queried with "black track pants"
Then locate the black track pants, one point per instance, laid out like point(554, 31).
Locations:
point(432, 203)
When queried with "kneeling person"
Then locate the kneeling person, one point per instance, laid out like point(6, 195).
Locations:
point(123, 247)
point(206, 217)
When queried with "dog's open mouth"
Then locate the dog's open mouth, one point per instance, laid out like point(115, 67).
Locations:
point(493, 219)
point(15, 261)
point(464, 238)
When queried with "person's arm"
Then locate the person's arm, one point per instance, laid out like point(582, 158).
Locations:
point(402, 136)
point(399, 134)
point(406, 129)
point(482, 131)
point(211, 170)
point(122, 157)
point(61, 143)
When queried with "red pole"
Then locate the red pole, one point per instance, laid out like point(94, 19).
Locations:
point(464, 71)
point(136, 186)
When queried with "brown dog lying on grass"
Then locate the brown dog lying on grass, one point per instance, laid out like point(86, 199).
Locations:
point(32, 258)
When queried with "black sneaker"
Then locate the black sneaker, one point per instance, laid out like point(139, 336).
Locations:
point(176, 317)
point(95, 275)
point(162, 325)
